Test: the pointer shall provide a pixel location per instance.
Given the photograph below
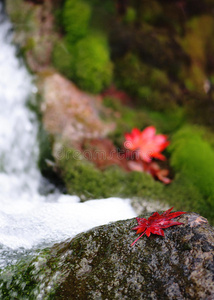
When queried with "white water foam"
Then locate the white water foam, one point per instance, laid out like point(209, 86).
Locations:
point(28, 219)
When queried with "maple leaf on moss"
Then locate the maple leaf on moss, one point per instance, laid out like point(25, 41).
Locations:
point(147, 143)
point(156, 223)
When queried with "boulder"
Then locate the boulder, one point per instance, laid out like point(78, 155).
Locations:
point(70, 112)
point(102, 264)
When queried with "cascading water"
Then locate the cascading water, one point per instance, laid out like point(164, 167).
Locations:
point(29, 220)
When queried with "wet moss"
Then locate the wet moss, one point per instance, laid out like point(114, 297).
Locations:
point(30, 278)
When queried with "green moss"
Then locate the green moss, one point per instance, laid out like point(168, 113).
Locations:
point(103, 12)
point(29, 279)
point(92, 65)
point(82, 178)
point(149, 85)
point(166, 122)
point(184, 195)
point(84, 55)
point(193, 160)
point(130, 15)
point(76, 17)
point(207, 134)
point(126, 118)
point(62, 59)
point(129, 74)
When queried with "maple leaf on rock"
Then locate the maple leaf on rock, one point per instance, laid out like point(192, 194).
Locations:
point(146, 143)
point(156, 223)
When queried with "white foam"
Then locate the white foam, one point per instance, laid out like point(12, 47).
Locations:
point(29, 224)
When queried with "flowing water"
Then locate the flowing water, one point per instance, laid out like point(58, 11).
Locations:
point(29, 220)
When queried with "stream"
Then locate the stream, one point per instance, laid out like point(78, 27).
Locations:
point(28, 219)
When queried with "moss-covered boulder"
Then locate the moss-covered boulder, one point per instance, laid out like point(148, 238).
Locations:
point(85, 180)
point(101, 264)
point(77, 125)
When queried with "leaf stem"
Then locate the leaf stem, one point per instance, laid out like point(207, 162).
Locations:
point(138, 238)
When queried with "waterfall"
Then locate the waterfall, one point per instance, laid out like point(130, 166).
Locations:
point(29, 220)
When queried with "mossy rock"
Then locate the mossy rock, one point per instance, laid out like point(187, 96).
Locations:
point(101, 264)
point(83, 179)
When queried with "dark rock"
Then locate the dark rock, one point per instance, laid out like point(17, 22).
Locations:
point(101, 264)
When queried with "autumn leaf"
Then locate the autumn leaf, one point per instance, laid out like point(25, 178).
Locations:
point(151, 168)
point(154, 169)
point(156, 223)
point(147, 144)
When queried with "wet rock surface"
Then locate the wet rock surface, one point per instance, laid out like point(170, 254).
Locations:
point(101, 264)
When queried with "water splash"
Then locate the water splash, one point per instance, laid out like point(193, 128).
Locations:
point(29, 220)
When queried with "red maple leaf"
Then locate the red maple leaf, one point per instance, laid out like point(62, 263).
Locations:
point(146, 143)
point(156, 223)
